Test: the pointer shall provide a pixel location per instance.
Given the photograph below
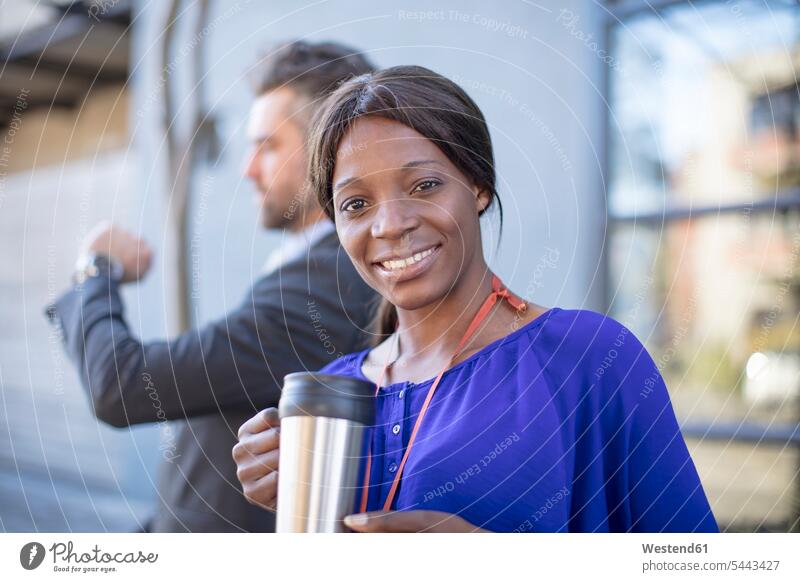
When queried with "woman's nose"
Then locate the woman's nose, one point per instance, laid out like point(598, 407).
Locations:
point(395, 218)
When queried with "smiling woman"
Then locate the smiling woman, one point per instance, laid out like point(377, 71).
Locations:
point(490, 411)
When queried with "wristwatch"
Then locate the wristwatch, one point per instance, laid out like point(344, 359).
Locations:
point(97, 265)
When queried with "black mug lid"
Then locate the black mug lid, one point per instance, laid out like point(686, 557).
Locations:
point(328, 395)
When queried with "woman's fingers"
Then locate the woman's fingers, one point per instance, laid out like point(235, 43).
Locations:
point(262, 492)
point(257, 466)
point(259, 478)
point(257, 455)
point(255, 444)
point(385, 522)
point(267, 418)
point(408, 521)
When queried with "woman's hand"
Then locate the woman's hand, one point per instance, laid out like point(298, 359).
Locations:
point(256, 456)
point(409, 521)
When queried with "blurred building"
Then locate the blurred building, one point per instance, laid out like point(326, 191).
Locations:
point(705, 209)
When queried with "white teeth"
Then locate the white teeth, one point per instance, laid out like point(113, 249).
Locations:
point(403, 263)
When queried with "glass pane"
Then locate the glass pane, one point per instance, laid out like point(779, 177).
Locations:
point(705, 106)
point(717, 303)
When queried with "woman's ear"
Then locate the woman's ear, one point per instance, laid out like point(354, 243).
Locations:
point(482, 200)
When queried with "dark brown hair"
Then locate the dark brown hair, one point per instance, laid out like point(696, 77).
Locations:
point(313, 70)
point(421, 99)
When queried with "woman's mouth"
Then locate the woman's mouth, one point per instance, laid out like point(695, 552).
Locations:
point(402, 268)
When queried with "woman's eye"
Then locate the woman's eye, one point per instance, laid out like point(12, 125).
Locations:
point(353, 205)
point(426, 185)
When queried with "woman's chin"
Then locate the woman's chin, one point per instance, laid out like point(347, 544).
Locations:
point(413, 297)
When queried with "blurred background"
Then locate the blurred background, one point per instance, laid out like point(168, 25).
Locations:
point(649, 163)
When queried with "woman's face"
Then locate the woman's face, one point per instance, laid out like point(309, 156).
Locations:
point(406, 216)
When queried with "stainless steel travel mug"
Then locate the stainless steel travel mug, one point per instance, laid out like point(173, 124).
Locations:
point(325, 421)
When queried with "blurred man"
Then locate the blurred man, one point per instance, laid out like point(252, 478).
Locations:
point(309, 306)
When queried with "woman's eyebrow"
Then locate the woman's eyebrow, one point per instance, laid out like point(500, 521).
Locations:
point(345, 182)
point(417, 163)
point(408, 166)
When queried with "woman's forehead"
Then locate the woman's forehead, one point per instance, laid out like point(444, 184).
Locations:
point(376, 142)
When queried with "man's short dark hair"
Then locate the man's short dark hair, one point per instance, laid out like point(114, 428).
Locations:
point(313, 70)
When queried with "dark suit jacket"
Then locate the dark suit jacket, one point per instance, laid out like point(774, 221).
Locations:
point(300, 317)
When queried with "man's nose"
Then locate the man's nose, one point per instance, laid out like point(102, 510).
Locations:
point(395, 218)
point(251, 169)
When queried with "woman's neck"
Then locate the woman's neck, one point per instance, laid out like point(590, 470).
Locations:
point(437, 329)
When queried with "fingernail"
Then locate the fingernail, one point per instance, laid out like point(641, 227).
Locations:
point(355, 520)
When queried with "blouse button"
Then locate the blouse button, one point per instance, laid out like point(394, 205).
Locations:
point(401, 394)
point(393, 467)
point(396, 429)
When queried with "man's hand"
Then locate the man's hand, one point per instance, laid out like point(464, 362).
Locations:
point(127, 249)
point(409, 521)
point(257, 456)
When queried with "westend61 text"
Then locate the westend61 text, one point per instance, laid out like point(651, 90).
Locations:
point(672, 549)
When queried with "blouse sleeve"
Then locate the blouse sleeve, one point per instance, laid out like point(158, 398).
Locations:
point(663, 490)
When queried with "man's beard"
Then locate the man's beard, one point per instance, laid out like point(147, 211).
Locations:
point(272, 217)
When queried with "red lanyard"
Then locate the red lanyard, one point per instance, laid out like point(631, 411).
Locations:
point(499, 291)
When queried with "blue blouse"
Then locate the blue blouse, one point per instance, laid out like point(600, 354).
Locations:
point(563, 425)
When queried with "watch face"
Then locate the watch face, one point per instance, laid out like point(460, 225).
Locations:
point(116, 270)
point(101, 264)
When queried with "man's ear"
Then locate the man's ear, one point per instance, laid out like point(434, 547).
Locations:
point(482, 199)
